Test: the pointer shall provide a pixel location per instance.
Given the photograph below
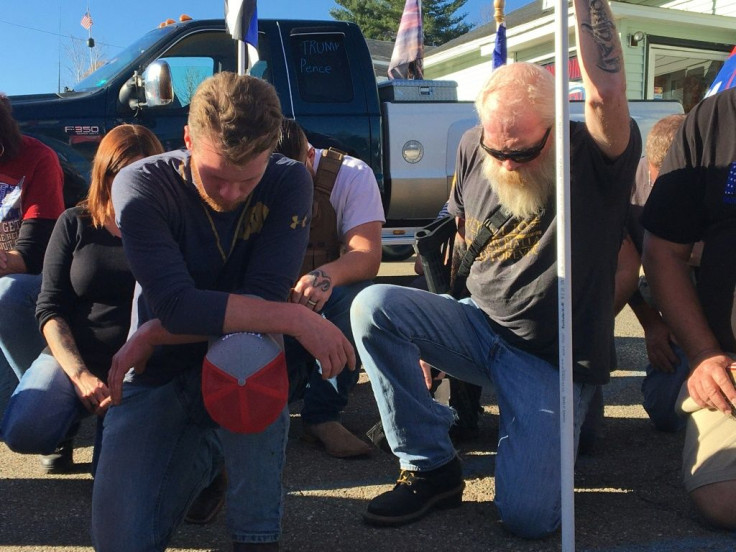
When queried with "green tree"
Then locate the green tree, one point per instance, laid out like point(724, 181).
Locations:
point(379, 19)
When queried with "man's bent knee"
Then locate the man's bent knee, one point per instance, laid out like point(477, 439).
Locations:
point(22, 441)
point(377, 298)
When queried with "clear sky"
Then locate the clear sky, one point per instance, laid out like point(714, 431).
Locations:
point(36, 35)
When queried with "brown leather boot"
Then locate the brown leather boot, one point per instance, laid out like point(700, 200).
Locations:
point(337, 440)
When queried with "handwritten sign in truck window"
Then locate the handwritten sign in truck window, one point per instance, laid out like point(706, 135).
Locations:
point(322, 68)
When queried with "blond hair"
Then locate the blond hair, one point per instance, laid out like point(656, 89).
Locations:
point(119, 148)
point(518, 87)
point(660, 138)
point(240, 114)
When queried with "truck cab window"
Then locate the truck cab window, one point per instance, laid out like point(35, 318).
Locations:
point(322, 68)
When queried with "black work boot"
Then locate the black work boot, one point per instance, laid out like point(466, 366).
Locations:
point(61, 460)
point(416, 493)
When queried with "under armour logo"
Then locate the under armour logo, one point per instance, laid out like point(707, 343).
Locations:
point(295, 222)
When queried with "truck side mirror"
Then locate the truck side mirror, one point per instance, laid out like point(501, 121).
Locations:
point(152, 89)
point(158, 84)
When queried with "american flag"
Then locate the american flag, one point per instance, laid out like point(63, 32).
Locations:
point(407, 58)
point(86, 21)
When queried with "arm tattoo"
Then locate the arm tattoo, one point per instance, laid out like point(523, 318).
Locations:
point(321, 280)
point(603, 32)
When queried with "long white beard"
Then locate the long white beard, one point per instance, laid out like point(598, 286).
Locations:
point(525, 191)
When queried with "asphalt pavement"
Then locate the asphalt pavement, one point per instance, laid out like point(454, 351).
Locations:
point(628, 495)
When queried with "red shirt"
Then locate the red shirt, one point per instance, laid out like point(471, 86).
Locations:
point(31, 187)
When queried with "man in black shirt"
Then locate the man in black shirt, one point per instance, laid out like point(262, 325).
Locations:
point(694, 198)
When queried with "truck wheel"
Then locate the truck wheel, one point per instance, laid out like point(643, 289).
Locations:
point(392, 253)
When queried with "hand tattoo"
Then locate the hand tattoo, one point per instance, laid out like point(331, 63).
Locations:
point(603, 32)
point(321, 280)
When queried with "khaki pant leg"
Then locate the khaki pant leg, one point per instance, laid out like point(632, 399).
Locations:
point(709, 454)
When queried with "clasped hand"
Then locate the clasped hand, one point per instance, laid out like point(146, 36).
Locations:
point(711, 386)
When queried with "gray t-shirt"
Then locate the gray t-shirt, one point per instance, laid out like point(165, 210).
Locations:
point(514, 279)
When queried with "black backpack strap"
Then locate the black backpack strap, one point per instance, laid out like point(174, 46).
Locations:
point(489, 228)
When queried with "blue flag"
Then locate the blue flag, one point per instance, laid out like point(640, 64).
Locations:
point(251, 37)
point(499, 50)
point(726, 77)
point(242, 20)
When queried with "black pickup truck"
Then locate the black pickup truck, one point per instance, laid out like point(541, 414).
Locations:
point(323, 73)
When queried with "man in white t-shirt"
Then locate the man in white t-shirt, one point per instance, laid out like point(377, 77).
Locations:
point(329, 289)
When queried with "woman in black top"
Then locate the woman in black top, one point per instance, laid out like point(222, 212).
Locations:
point(83, 312)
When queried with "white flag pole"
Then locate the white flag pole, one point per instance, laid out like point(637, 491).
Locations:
point(237, 26)
point(564, 288)
point(242, 58)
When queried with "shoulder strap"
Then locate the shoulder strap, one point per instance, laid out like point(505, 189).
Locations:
point(329, 165)
point(489, 228)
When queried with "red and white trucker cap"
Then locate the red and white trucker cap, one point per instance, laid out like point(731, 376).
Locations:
point(245, 385)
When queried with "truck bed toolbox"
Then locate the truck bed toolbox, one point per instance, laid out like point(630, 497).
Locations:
point(407, 90)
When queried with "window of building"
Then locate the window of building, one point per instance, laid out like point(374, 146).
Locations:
point(683, 74)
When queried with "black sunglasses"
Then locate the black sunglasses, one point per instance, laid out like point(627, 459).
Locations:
point(517, 156)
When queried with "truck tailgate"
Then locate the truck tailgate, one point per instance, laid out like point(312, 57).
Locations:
point(420, 185)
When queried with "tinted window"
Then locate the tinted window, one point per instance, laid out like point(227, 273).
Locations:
point(322, 68)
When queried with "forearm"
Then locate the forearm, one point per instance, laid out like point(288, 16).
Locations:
point(322, 339)
point(668, 274)
point(602, 69)
point(362, 257)
point(154, 334)
point(353, 266)
point(251, 314)
point(645, 314)
point(599, 49)
point(627, 274)
point(60, 340)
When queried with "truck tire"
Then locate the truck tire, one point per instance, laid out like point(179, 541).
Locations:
point(394, 253)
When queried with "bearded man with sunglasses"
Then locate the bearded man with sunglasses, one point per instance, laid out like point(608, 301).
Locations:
point(505, 333)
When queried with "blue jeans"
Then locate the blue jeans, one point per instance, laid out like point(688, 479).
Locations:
point(660, 390)
point(44, 410)
point(322, 402)
point(394, 327)
point(20, 340)
point(160, 449)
